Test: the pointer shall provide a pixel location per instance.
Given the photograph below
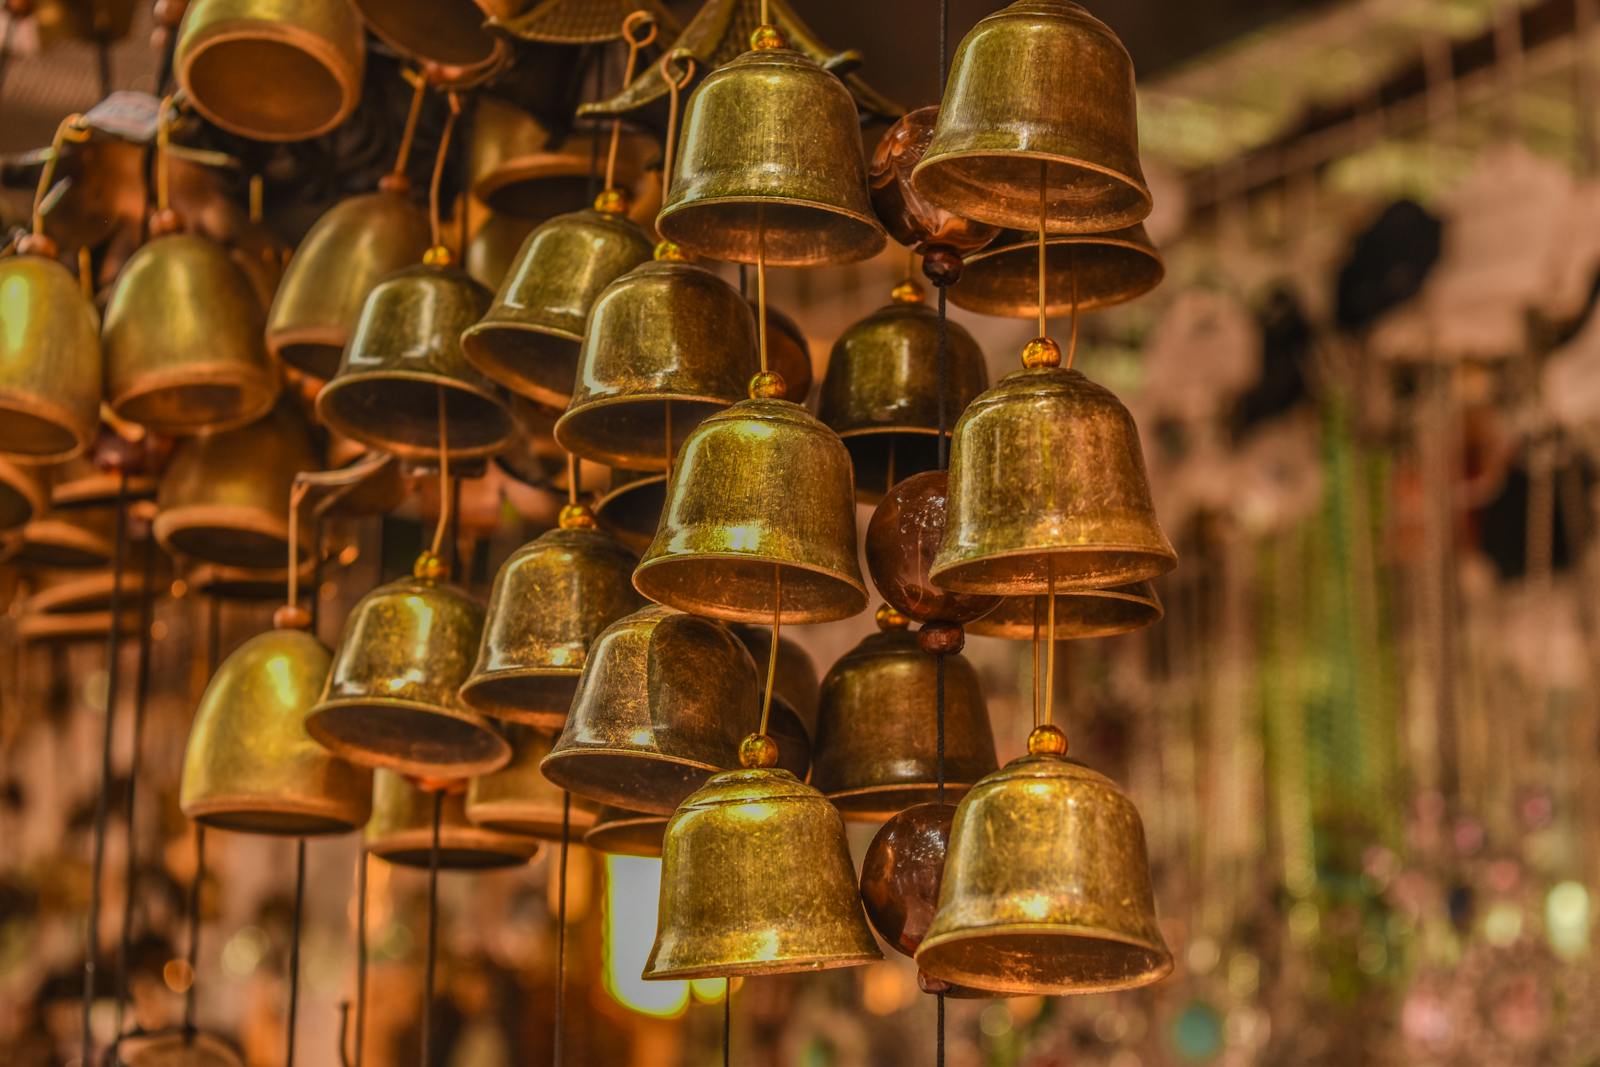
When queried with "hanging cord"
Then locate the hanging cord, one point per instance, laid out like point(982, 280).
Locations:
point(164, 154)
point(434, 226)
point(446, 498)
point(772, 653)
point(630, 26)
point(433, 928)
point(71, 129)
point(558, 1058)
point(676, 83)
point(141, 697)
point(318, 549)
point(359, 1041)
point(408, 135)
point(294, 947)
point(761, 283)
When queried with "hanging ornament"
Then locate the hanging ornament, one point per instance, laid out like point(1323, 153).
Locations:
point(401, 829)
point(630, 510)
point(519, 799)
point(1106, 268)
point(448, 37)
point(1081, 614)
point(902, 539)
point(911, 218)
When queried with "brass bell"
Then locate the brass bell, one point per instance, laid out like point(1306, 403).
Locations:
point(405, 359)
point(182, 339)
point(1088, 271)
point(271, 70)
point(447, 36)
point(795, 687)
point(630, 510)
point(1047, 885)
point(493, 247)
point(626, 833)
point(401, 830)
point(240, 583)
point(1038, 116)
point(356, 244)
point(667, 344)
point(519, 799)
point(65, 592)
point(1083, 613)
point(78, 484)
point(881, 391)
point(24, 493)
point(250, 767)
point(49, 361)
point(522, 172)
point(529, 339)
point(661, 706)
point(551, 600)
point(72, 539)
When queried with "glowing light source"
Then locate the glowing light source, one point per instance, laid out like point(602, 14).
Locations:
point(633, 895)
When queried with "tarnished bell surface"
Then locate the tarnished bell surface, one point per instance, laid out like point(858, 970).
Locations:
point(631, 509)
point(1047, 887)
point(49, 361)
point(1084, 613)
point(1047, 480)
point(182, 340)
point(528, 341)
point(770, 156)
point(448, 35)
point(354, 245)
point(405, 354)
point(23, 494)
point(667, 344)
point(664, 700)
point(391, 701)
point(626, 833)
point(250, 767)
point(401, 831)
point(519, 799)
point(1040, 88)
point(881, 391)
point(519, 170)
point(272, 70)
point(759, 488)
point(756, 879)
point(1106, 269)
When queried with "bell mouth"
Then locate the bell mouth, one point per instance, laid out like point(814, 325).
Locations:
point(1086, 614)
point(273, 816)
point(407, 736)
point(448, 33)
point(810, 594)
point(796, 233)
point(1111, 269)
point(230, 536)
point(226, 68)
point(755, 969)
point(237, 583)
point(398, 412)
point(460, 849)
point(627, 833)
point(53, 543)
point(1003, 190)
point(1027, 571)
point(537, 696)
point(650, 782)
point(875, 803)
point(44, 432)
point(1021, 959)
point(536, 362)
point(630, 431)
point(89, 592)
point(99, 490)
point(192, 398)
point(311, 350)
point(632, 511)
point(76, 626)
point(882, 457)
point(536, 189)
point(528, 820)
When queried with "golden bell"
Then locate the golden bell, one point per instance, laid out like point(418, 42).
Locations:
point(1048, 490)
point(24, 493)
point(667, 344)
point(756, 879)
point(519, 170)
point(49, 361)
point(448, 36)
point(240, 583)
point(626, 833)
point(357, 243)
point(788, 353)
point(551, 600)
point(519, 799)
point(530, 337)
point(1046, 887)
point(401, 830)
point(224, 497)
point(881, 391)
point(1088, 271)
point(630, 510)
point(661, 706)
point(1083, 613)
point(1038, 115)
point(769, 162)
point(391, 701)
point(761, 494)
point(65, 592)
point(405, 359)
point(250, 767)
point(72, 539)
point(182, 339)
point(271, 70)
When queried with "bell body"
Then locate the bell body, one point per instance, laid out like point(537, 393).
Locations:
point(1040, 93)
point(1046, 888)
point(72, 539)
point(50, 369)
point(761, 494)
point(1048, 488)
point(24, 493)
point(756, 879)
point(519, 170)
point(401, 831)
point(663, 702)
point(1081, 614)
point(626, 833)
point(59, 592)
point(667, 344)
point(250, 767)
point(630, 510)
point(901, 872)
point(448, 35)
point(909, 216)
point(183, 341)
point(1089, 270)
point(519, 799)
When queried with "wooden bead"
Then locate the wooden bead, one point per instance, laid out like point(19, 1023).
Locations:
point(941, 638)
point(902, 538)
point(901, 871)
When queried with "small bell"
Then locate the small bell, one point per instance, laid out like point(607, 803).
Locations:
point(630, 510)
point(73, 539)
point(49, 361)
point(521, 172)
point(520, 800)
point(448, 37)
point(795, 686)
point(1083, 613)
point(1088, 271)
point(401, 830)
point(58, 592)
point(626, 833)
point(24, 493)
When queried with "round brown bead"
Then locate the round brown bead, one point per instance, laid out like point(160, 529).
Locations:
point(941, 638)
point(902, 539)
point(942, 265)
point(901, 871)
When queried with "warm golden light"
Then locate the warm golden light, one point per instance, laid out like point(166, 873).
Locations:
point(633, 893)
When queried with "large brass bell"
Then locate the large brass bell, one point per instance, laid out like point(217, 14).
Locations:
point(626, 833)
point(630, 510)
point(520, 171)
point(401, 830)
point(1083, 613)
point(1038, 116)
point(250, 766)
point(661, 706)
point(1086, 271)
point(49, 361)
point(519, 799)
point(24, 493)
point(447, 36)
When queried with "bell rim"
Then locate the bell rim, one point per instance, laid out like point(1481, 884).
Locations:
point(719, 610)
point(528, 168)
point(91, 548)
point(461, 848)
point(184, 518)
point(99, 490)
point(342, 382)
point(997, 308)
point(80, 625)
point(376, 760)
point(282, 340)
point(456, 74)
point(30, 490)
point(904, 794)
point(81, 592)
point(994, 213)
point(867, 236)
point(324, 818)
point(644, 805)
point(790, 965)
point(53, 413)
point(500, 372)
point(990, 625)
point(581, 441)
point(470, 695)
point(987, 982)
point(605, 836)
point(546, 827)
point(320, 48)
point(948, 574)
point(258, 391)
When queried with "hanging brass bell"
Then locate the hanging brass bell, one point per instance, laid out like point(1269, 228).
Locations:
point(661, 706)
point(493, 247)
point(795, 686)
point(250, 767)
point(24, 493)
point(65, 592)
point(72, 539)
point(529, 339)
point(271, 70)
point(519, 799)
point(49, 361)
point(78, 484)
point(405, 359)
point(1039, 106)
point(1047, 885)
point(630, 510)
point(183, 345)
point(241, 584)
point(520, 171)
point(881, 391)
point(401, 830)
point(1083, 613)
point(626, 833)
point(1088, 271)
point(446, 36)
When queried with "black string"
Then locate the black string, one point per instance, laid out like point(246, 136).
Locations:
point(194, 930)
point(944, 43)
point(938, 721)
point(558, 1058)
point(944, 462)
point(361, 953)
point(727, 1020)
point(433, 928)
point(938, 1047)
point(943, 368)
point(141, 697)
point(294, 945)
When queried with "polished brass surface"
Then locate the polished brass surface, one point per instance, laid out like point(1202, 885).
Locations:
point(198, 1049)
point(447, 36)
point(72, 539)
point(662, 705)
point(1039, 90)
point(78, 483)
point(794, 685)
point(24, 493)
point(183, 347)
point(404, 356)
point(630, 510)
point(49, 361)
point(626, 833)
point(1080, 614)
point(761, 491)
point(1047, 887)
point(519, 170)
point(903, 536)
point(529, 339)
point(519, 799)
point(667, 344)
point(908, 216)
point(354, 245)
point(756, 879)
point(271, 70)
point(1102, 269)
point(401, 831)
point(1048, 485)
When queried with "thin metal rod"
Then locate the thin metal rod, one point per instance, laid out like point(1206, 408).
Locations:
point(1050, 639)
point(434, 225)
point(938, 721)
point(433, 928)
point(558, 1058)
point(409, 135)
point(141, 698)
point(445, 498)
point(294, 947)
point(1072, 272)
point(772, 653)
point(193, 956)
point(1042, 295)
point(761, 283)
point(943, 382)
point(1036, 611)
point(361, 954)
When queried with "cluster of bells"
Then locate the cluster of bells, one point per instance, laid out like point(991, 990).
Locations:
point(633, 684)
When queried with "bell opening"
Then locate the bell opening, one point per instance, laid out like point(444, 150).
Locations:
point(228, 78)
point(535, 197)
point(1003, 190)
point(15, 510)
point(631, 512)
point(795, 234)
point(447, 32)
point(877, 803)
point(642, 836)
point(630, 432)
point(1005, 281)
point(1053, 961)
point(706, 584)
point(527, 819)
point(186, 408)
point(538, 364)
point(535, 697)
point(453, 858)
point(416, 740)
point(319, 359)
point(1089, 614)
point(1029, 572)
point(24, 432)
point(400, 414)
point(639, 781)
point(870, 452)
point(59, 554)
point(274, 823)
point(245, 539)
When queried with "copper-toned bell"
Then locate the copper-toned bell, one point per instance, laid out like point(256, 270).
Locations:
point(902, 538)
point(74, 539)
point(519, 799)
point(761, 497)
point(630, 510)
point(520, 171)
point(401, 830)
point(529, 339)
point(1082, 613)
point(661, 706)
point(908, 216)
point(626, 833)
point(250, 766)
point(1088, 270)
point(447, 36)
point(667, 344)
point(271, 70)
point(405, 359)
point(49, 361)
point(24, 493)
point(1039, 106)
point(881, 391)
point(182, 340)
point(354, 245)
point(901, 872)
